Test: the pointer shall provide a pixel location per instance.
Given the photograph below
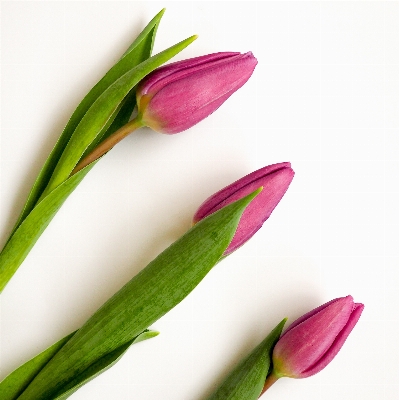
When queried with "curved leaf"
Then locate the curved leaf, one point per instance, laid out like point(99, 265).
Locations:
point(101, 366)
point(15, 383)
point(247, 379)
point(102, 109)
point(137, 52)
point(29, 231)
point(166, 281)
point(96, 120)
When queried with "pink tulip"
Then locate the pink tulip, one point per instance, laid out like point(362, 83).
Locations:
point(312, 341)
point(177, 96)
point(274, 179)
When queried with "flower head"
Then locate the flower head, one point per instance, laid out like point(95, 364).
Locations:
point(312, 341)
point(274, 179)
point(177, 96)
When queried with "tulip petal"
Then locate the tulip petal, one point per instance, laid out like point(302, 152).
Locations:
point(178, 96)
point(253, 218)
point(275, 180)
point(213, 203)
point(155, 81)
point(338, 342)
point(305, 344)
point(311, 313)
point(207, 92)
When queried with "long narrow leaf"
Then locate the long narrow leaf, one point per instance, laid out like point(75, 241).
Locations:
point(121, 118)
point(101, 366)
point(247, 379)
point(102, 109)
point(92, 125)
point(137, 52)
point(166, 281)
point(15, 383)
point(20, 243)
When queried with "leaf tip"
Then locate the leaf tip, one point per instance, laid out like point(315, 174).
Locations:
point(161, 13)
point(252, 195)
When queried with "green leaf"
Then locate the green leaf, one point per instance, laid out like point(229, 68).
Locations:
point(15, 383)
point(247, 380)
point(164, 283)
point(137, 52)
point(23, 239)
point(96, 121)
point(98, 115)
point(101, 366)
point(121, 118)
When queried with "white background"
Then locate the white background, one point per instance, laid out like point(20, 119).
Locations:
point(325, 96)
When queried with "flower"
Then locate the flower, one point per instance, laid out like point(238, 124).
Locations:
point(274, 179)
point(177, 96)
point(312, 341)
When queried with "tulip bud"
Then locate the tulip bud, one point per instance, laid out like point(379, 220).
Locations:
point(312, 341)
point(177, 96)
point(274, 179)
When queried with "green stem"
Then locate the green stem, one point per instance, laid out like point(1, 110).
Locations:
point(108, 144)
point(270, 380)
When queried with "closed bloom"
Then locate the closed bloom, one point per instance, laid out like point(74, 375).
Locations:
point(177, 96)
point(275, 180)
point(312, 341)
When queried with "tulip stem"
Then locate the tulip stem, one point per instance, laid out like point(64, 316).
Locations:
point(272, 378)
point(108, 144)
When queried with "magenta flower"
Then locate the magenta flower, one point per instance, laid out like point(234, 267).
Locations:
point(177, 96)
point(274, 179)
point(312, 341)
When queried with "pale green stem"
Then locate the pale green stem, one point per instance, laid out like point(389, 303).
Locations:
point(108, 144)
point(270, 380)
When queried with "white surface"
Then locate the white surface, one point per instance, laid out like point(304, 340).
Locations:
point(325, 96)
